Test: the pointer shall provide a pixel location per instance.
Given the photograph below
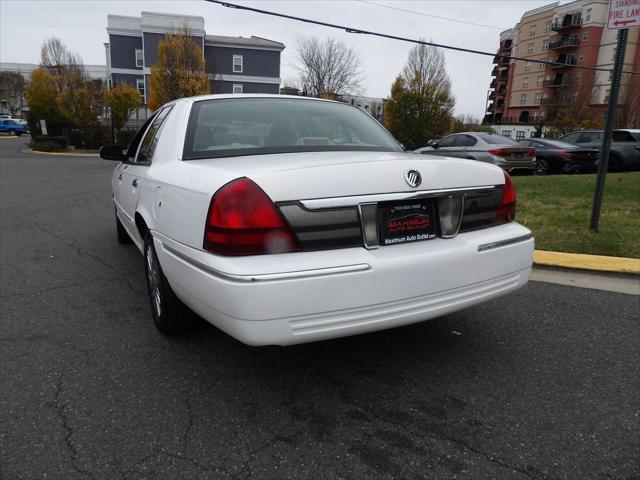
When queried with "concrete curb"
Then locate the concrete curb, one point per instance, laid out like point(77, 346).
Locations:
point(61, 154)
point(587, 262)
point(8, 137)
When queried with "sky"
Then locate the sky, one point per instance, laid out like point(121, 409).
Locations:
point(81, 25)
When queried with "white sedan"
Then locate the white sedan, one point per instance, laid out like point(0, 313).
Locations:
point(284, 220)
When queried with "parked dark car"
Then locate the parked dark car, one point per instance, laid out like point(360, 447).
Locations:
point(554, 156)
point(623, 154)
point(484, 147)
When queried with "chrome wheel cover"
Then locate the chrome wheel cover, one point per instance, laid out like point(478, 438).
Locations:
point(153, 277)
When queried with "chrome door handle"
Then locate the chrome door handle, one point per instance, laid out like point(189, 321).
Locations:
point(120, 177)
point(135, 182)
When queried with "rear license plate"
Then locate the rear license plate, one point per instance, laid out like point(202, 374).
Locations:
point(518, 155)
point(403, 222)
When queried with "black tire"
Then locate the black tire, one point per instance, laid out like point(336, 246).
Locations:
point(614, 165)
point(542, 167)
point(12, 133)
point(170, 316)
point(121, 234)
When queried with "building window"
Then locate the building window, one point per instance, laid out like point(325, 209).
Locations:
point(542, 64)
point(140, 87)
point(525, 82)
point(530, 47)
point(506, 133)
point(139, 58)
point(536, 113)
point(578, 76)
point(237, 64)
point(545, 44)
point(606, 95)
point(588, 15)
point(532, 30)
point(527, 66)
point(237, 88)
point(547, 26)
point(537, 98)
point(540, 80)
point(581, 57)
point(520, 134)
point(523, 99)
point(585, 36)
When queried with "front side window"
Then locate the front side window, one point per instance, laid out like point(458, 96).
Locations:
point(150, 139)
point(238, 65)
point(257, 126)
point(139, 58)
point(449, 141)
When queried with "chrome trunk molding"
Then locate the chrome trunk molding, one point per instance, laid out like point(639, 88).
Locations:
point(503, 243)
point(352, 201)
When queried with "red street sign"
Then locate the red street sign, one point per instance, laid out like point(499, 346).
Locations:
point(624, 13)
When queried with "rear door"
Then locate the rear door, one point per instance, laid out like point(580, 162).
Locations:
point(134, 172)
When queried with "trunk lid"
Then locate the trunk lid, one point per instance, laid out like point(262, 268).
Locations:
point(313, 175)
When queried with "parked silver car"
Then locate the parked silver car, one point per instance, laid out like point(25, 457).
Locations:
point(485, 147)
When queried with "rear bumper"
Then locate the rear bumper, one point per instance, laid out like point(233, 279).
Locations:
point(308, 296)
point(515, 164)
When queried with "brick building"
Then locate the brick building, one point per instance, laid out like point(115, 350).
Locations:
point(573, 34)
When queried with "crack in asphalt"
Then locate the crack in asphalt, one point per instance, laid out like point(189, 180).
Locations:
point(61, 410)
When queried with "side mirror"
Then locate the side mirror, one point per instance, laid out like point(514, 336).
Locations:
point(434, 145)
point(112, 152)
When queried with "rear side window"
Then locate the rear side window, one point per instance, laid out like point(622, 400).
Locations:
point(622, 136)
point(498, 140)
point(150, 139)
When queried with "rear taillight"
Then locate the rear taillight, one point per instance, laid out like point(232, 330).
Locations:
point(499, 152)
point(507, 209)
point(242, 220)
point(531, 152)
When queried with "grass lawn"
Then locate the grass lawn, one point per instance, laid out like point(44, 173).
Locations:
point(557, 209)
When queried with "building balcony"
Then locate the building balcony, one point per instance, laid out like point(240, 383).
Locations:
point(500, 105)
point(563, 62)
point(492, 95)
point(503, 75)
point(557, 83)
point(501, 93)
point(568, 22)
point(494, 72)
point(490, 107)
point(493, 83)
point(564, 43)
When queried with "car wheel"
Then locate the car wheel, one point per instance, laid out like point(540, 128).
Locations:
point(121, 233)
point(12, 133)
point(542, 167)
point(169, 314)
point(614, 165)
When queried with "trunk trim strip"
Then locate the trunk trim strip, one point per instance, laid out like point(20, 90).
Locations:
point(351, 201)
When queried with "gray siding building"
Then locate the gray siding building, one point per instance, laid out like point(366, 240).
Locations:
point(232, 64)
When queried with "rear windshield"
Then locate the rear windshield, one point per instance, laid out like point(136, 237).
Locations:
point(497, 139)
point(558, 144)
point(254, 126)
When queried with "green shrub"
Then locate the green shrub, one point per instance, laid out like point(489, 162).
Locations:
point(90, 138)
point(124, 136)
point(48, 144)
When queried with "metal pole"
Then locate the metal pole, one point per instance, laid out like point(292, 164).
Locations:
point(606, 138)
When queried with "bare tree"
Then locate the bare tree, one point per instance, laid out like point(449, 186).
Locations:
point(628, 113)
point(12, 91)
point(327, 68)
point(426, 66)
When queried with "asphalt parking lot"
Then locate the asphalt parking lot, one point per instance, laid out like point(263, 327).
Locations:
point(542, 384)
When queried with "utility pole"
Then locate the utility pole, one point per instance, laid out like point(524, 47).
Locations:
point(606, 138)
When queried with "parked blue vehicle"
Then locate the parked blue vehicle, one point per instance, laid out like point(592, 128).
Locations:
point(12, 127)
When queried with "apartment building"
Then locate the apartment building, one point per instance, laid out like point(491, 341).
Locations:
point(233, 64)
point(556, 40)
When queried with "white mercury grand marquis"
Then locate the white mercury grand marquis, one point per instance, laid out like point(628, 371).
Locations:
point(284, 220)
